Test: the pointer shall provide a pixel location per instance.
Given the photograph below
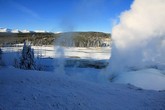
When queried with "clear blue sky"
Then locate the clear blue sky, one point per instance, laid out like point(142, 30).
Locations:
point(61, 15)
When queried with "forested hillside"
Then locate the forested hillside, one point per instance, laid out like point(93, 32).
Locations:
point(78, 39)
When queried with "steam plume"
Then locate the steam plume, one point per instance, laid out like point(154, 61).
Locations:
point(139, 38)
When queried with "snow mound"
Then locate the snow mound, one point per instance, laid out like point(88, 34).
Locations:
point(34, 90)
point(146, 78)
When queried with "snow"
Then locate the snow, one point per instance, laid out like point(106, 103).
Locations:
point(5, 30)
point(149, 78)
point(36, 90)
point(58, 32)
point(40, 31)
point(15, 31)
point(25, 31)
point(70, 52)
point(153, 79)
point(134, 80)
point(74, 88)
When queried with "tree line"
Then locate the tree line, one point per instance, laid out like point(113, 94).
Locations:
point(77, 39)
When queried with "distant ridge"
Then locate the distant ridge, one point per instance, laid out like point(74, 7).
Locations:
point(7, 30)
point(77, 39)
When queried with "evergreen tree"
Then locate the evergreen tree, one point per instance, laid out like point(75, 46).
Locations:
point(0, 57)
point(0, 53)
point(27, 58)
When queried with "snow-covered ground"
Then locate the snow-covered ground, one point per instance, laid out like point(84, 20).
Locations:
point(74, 88)
point(150, 78)
point(146, 78)
point(69, 52)
point(36, 90)
point(48, 56)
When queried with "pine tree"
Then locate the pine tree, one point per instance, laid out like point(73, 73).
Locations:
point(0, 57)
point(0, 53)
point(27, 58)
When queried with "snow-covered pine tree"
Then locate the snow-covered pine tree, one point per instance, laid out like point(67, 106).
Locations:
point(27, 58)
point(0, 57)
point(0, 53)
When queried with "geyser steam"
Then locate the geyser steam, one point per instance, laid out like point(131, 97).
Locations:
point(139, 38)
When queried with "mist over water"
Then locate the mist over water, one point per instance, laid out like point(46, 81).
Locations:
point(139, 37)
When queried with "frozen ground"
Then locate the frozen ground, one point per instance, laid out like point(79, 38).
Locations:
point(70, 52)
point(75, 88)
point(82, 63)
point(48, 56)
point(36, 90)
point(151, 79)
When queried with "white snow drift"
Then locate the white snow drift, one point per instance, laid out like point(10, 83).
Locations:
point(34, 90)
point(151, 79)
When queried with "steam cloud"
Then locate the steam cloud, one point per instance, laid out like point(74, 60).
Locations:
point(139, 37)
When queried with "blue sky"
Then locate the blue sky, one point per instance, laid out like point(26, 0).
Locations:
point(61, 15)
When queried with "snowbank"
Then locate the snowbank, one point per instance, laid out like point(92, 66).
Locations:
point(34, 90)
point(146, 78)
